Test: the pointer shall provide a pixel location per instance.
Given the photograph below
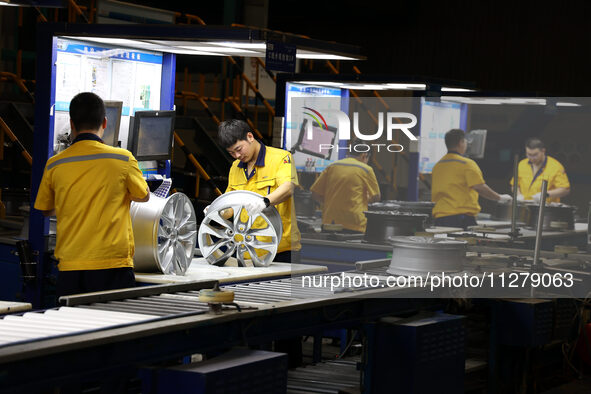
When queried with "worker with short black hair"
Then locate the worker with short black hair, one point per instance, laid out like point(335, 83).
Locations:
point(457, 183)
point(535, 168)
point(267, 171)
point(89, 188)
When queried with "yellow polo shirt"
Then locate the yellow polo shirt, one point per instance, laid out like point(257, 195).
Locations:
point(346, 187)
point(530, 183)
point(89, 185)
point(451, 190)
point(273, 168)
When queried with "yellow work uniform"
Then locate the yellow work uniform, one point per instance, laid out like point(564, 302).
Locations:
point(530, 183)
point(451, 190)
point(273, 168)
point(346, 186)
point(90, 186)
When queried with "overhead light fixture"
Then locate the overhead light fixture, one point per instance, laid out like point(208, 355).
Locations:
point(321, 83)
point(181, 51)
point(524, 100)
point(367, 86)
point(407, 86)
point(243, 45)
point(565, 104)
point(322, 56)
point(224, 50)
point(472, 100)
point(452, 89)
point(124, 42)
point(34, 3)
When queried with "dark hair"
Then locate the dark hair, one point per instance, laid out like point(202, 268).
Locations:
point(352, 152)
point(453, 138)
point(232, 131)
point(87, 111)
point(534, 143)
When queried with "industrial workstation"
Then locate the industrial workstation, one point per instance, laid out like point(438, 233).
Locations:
point(235, 207)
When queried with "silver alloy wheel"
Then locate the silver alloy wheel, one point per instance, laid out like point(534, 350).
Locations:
point(165, 231)
point(221, 238)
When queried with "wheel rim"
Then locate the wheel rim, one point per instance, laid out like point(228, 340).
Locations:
point(245, 237)
point(165, 234)
point(176, 235)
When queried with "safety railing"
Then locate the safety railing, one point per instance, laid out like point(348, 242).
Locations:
point(10, 77)
point(4, 129)
point(201, 173)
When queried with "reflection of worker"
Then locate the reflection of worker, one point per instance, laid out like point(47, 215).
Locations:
point(89, 187)
point(267, 171)
point(538, 167)
point(457, 182)
point(345, 188)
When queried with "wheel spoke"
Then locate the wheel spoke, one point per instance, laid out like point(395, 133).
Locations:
point(262, 232)
point(256, 260)
point(163, 246)
point(269, 246)
point(187, 236)
point(240, 257)
point(211, 249)
point(178, 211)
point(166, 260)
point(166, 220)
point(180, 257)
point(215, 216)
point(237, 215)
point(208, 229)
point(186, 219)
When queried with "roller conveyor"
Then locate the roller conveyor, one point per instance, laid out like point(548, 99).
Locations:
point(151, 324)
point(62, 321)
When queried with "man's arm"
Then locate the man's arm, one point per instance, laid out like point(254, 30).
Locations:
point(559, 192)
point(145, 199)
point(282, 193)
point(375, 198)
point(485, 191)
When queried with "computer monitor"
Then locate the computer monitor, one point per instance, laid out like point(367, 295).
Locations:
point(476, 142)
point(151, 135)
point(321, 138)
point(113, 114)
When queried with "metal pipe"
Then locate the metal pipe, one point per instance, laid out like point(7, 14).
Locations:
point(540, 224)
point(514, 230)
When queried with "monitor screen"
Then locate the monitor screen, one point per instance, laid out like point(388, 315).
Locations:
point(152, 135)
point(113, 114)
point(321, 141)
point(476, 144)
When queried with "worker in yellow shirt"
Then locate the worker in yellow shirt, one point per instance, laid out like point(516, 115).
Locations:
point(457, 183)
point(536, 168)
point(89, 188)
point(267, 171)
point(345, 188)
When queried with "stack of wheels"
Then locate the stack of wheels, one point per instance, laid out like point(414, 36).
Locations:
point(164, 230)
point(228, 230)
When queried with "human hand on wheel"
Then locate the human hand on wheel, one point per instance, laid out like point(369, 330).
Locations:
point(255, 206)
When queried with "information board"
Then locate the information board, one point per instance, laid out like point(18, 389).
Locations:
point(129, 75)
point(437, 118)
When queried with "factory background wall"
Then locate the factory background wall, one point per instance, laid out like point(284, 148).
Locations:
point(502, 46)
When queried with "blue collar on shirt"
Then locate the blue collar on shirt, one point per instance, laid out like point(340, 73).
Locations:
point(259, 163)
point(87, 137)
point(537, 174)
point(453, 151)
